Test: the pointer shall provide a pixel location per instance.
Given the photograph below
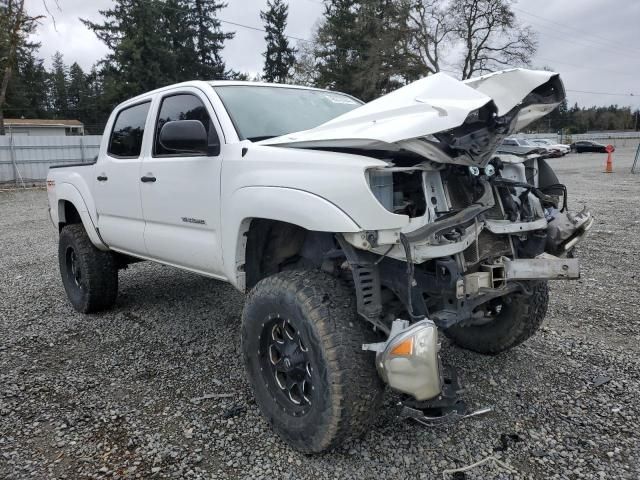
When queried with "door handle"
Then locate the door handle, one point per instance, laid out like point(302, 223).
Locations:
point(147, 179)
point(102, 178)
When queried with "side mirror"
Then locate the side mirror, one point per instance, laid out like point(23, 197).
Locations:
point(188, 136)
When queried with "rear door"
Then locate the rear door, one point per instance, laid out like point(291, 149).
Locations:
point(181, 204)
point(117, 183)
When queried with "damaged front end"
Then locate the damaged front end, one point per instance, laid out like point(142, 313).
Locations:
point(475, 235)
point(479, 226)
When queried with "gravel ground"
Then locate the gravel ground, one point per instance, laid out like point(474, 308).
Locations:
point(134, 393)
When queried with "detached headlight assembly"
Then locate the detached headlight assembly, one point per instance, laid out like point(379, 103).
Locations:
point(409, 360)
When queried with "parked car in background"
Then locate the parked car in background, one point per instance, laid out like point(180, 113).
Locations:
point(564, 149)
point(589, 146)
point(519, 146)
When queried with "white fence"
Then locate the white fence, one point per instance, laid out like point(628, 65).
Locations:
point(26, 159)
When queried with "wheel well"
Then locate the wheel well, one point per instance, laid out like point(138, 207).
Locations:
point(273, 246)
point(69, 214)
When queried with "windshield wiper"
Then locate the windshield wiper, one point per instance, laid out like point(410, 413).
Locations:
point(259, 139)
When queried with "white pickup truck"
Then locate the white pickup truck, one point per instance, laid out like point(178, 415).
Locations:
point(357, 230)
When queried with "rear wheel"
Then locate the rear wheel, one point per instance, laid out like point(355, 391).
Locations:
point(509, 321)
point(89, 275)
point(302, 348)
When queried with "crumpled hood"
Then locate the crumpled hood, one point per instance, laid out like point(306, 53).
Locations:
point(441, 118)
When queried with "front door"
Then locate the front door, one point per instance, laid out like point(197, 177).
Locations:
point(117, 182)
point(181, 197)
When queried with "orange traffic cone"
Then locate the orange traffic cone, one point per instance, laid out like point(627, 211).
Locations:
point(609, 168)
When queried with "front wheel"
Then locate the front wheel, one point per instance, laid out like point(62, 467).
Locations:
point(302, 348)
point(509, 321)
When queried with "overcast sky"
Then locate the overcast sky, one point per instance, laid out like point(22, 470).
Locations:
point(592, 43)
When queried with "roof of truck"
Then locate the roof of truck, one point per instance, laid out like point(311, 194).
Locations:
point(220, 83)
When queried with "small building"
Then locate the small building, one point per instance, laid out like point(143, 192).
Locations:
point(39, 127)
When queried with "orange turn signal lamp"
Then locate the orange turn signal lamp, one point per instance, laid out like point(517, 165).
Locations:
point(404, 348)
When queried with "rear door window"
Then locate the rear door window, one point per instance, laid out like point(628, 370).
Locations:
point(128, 131)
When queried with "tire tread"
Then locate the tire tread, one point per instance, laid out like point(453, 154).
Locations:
point(100, 270)
point(524, 319)
point(357, 389)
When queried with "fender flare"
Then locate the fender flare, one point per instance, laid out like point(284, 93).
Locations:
point(284, 204)
point(67, 192)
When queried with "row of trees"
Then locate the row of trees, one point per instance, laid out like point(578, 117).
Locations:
point(578, 119)
point(62, 91)
point(152, 43)
point(363, 47)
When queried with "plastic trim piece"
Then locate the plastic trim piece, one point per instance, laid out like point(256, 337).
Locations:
point(79, 164)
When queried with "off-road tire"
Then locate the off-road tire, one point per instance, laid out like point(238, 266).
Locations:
point(519, 319)
point(96, 287)
point(346, 390)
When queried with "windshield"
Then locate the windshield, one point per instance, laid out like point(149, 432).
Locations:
point(260, 112)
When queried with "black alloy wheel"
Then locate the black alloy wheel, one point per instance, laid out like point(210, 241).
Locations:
point(286, 365)
point(74, 270)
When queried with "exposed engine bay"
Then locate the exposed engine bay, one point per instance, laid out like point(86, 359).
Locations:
point(473, 234)
point(476, 236)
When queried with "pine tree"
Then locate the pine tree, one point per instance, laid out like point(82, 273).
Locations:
point(209, 38)
point(279, 56)
point(154, 43)
point(382, 67)
point(77, 90)
point(97, 107)
point(338, 46)
point(27, 94)
point(58, 79)
point(358, 47)
point(180, 35)
point(141, 57)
